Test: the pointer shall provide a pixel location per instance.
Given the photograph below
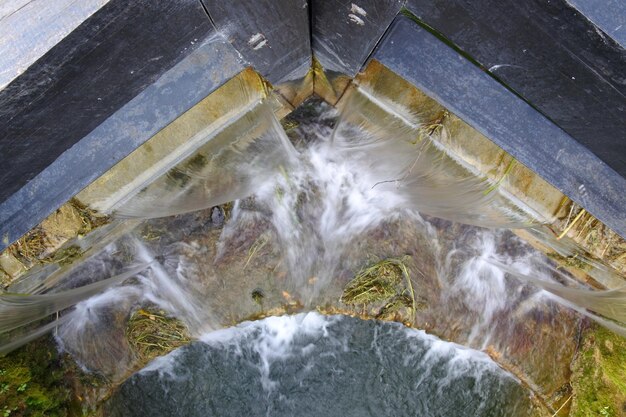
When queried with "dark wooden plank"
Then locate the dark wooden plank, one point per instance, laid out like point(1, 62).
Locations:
point(608, 15)
point(458, 84)
point(551, 55)
point(272, 35)
point(180, 88)
point(345, 32)
point(99, 67)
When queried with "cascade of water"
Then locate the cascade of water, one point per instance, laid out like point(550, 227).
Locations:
point(485, 275)
point(94, 332)
point(17, 310)
point(321, 200)
point(568, 249)
point(231, 163)
point(100, 272)
point(319, 207)
point(375, 164)
point(313, 365)
point(401, 152)
point(175, 293)
point(98, 251)
point(608, 304)
point(106, 314)
point(234, 161)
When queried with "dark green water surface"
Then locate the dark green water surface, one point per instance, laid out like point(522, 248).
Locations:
point(314, 365)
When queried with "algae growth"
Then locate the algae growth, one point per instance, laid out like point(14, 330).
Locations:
point(599, 375)
point(32, 382)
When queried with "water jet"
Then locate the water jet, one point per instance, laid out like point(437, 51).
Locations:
point(328, 207)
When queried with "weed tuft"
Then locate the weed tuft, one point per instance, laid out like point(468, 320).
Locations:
point(152, 334)
point(387, 281)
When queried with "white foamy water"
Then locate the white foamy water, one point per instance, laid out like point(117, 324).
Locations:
point(280, 338)
point(312, 365)
point(319, 198)
point(275, 339)
point(319, 207)
point(491, 280)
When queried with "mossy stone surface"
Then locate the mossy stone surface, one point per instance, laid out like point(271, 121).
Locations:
point(599, 375)
point(32, 382)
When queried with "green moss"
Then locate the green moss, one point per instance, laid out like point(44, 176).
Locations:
point(574, 261)
point(67, 255)
point(577, 262)
point(257, 296)
point(32, 382)
point(228, 210)
point(599, 375)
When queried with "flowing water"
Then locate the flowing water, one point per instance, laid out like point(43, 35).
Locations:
point(312, 207)
point(313, 365)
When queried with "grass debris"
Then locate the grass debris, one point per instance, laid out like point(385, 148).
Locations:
point(495, 185)
point(153, 333)
point(386, 282)
point(44, 243)
point(571, 224)
point(591, 234)
point(90, 218)
point(30, 247)
point(375, 283)
point(433, 127)
point(394, 307)
point(256, 247)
